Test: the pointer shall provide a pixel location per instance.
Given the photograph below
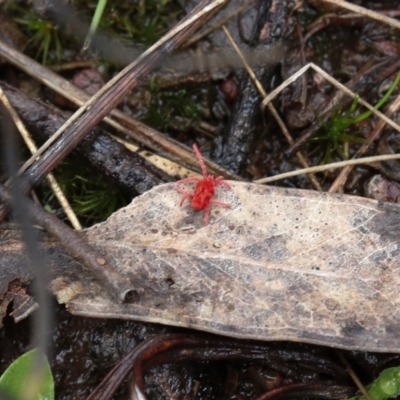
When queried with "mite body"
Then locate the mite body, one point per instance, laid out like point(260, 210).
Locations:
point(201, 198)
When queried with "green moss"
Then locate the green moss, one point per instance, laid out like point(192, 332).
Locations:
point(92, 197)
point(167, 105)
point(139, 23)
point(336, 132)
point(340, 127)
point(44, 37)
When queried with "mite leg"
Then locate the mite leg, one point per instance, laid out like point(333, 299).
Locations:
point(186, 195)
point(192, 179)
point(220, 203)
point(221, 181)
point(201, 161)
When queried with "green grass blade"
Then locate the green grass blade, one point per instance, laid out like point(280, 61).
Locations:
point(101, 5)
point(380, 103)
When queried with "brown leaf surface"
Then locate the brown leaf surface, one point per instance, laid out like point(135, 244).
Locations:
point(281, 264)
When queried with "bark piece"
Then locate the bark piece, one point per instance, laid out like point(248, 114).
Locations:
point(125, 168)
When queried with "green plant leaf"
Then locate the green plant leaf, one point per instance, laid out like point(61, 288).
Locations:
point(22, 379)
point(387, 385)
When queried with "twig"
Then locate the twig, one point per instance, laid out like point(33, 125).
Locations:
point(364, 11)
point(138, 131)
point(374, 134)
point(108, 97)
point(324, 20)
point(125, 168)
point(371, 71)
point(383, 118)
point(271, 108)
point(169, 167)
point(101, 266)
point(32, 253)
point(218, 25)
point(334, 82)
point(98, 106)
point(326, 167)
point(353, 375)
point(32, 147)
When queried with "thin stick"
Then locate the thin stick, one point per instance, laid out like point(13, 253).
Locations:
point(326, 167)
point(109, 85)
point(218, 25)
point(110, 96)
point(271, 108)
point(139, 132)
point(32, 148)
point(362, 150)
point(245, 63)
point(102, 267)
point(353, 375)
point(365, 11)
point(334, 82)
point(383, 118)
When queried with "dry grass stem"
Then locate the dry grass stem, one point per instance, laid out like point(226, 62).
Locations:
point(366, 12)
point(139, 132)
point(353, 375)
point(339, 181)
point(218, 25)
point(334, 82)
point(271, 108)
point(169, 167)
point(326, 167)
point(118, 77)
point(69, 212)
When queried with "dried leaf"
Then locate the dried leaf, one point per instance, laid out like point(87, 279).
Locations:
point(281, 264)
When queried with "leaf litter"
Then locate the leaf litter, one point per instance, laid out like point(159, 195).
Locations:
point(281, 264)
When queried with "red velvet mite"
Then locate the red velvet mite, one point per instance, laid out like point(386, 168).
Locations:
point(204, 191)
